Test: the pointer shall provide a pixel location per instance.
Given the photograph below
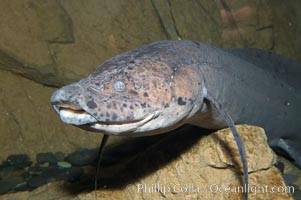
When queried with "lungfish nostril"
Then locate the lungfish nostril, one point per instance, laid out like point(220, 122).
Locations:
point(64, 94)
point(57, 96)
point(57, 110)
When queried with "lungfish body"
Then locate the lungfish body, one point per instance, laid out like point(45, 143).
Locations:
point(161, 86)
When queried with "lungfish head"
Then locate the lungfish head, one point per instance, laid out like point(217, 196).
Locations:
point(148, 91)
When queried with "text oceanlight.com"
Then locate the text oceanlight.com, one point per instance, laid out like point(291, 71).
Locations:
point(214, 188)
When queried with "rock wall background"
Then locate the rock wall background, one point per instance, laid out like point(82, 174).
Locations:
point(46, 44)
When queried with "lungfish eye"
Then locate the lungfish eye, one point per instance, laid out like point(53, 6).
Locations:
point(119, 86)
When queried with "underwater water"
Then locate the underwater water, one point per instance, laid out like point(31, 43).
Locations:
point(46, 45)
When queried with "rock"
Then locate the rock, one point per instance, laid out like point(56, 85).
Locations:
point(64, 164)
point(292, 175)
point(22, 187)
point(73, 174)
point(297, 195)
point(8, 184)
point(52, 190)
point(36, 181)
point(289, 178)
point(221, 157)
point(46, 158)
point(204, 164)
point(29, 53)
point(5, 170)
point(212, 161)
point(280, 166)
point(52, 173)
point(82, 157)
point(59, 156)
point(67, 174)
point(19, 161)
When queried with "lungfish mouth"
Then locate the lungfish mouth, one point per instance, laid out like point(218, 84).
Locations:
point(75, 115)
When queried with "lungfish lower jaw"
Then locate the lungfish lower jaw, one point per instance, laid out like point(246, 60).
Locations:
point(126, 126)
point(73, 114)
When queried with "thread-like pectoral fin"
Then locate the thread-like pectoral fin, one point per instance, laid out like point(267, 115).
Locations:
point(238, 140)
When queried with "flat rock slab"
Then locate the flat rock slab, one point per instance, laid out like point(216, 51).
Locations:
point(209, 169)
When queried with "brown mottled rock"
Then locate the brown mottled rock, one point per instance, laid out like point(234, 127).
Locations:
point(210, 163)
point(207, 166)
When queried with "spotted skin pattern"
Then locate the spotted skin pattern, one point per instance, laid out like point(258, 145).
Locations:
point(161, 86)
